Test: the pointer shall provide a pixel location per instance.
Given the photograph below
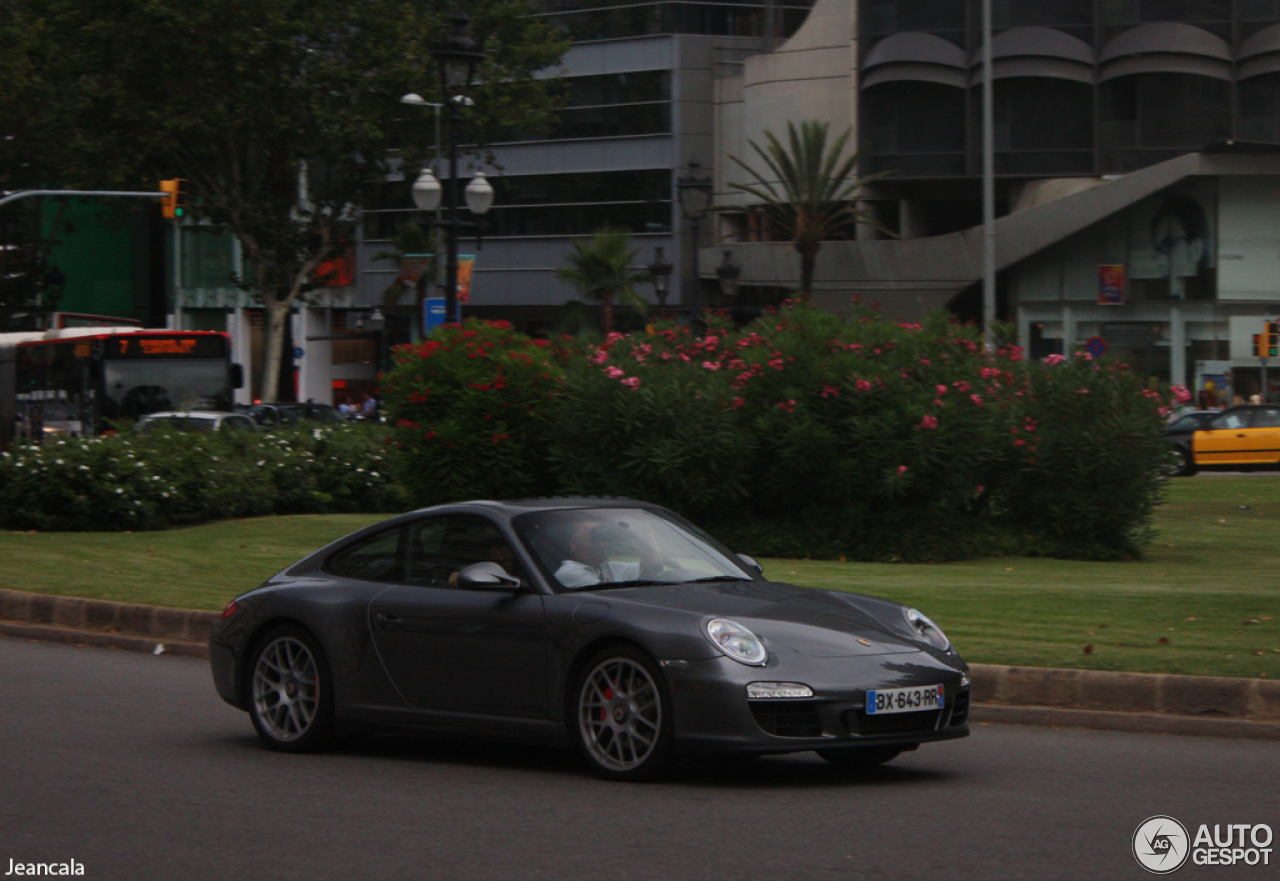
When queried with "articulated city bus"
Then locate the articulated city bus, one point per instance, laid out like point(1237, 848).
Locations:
point(78, 380)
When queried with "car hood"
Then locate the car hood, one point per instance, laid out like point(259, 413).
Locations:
point(788, 618)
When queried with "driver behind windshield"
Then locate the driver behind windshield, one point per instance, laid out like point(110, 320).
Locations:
point(588, 554)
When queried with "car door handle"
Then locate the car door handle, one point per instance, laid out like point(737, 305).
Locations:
point(388, 621)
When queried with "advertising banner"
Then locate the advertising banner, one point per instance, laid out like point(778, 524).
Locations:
point(1112, 286)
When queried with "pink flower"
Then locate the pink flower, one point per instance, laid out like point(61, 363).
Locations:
point(789, 406)
point(632, 382)
point(1054, 359)
point(862, 385)
point(1082, 391)
point(925, 361)
point(961, 386)
point(601, 356)
point(737, 402)
point(979, 489)
point(711, 365)
point(942, 390)
point(1181, 393)
point(830, 391)
point(614, 372)
point(977, 399)
point(928, 422)
point(902, 469)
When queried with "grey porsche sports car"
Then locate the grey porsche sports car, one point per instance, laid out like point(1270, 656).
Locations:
point(611, 624)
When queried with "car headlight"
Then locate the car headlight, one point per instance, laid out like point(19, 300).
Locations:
point(928, 631)
point(737, 642)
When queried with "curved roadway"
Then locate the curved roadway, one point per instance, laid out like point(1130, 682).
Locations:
point(130, 765)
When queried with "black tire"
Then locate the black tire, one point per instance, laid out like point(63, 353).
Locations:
point(1186, 462)
point(861, 758)
point(621, 715)
point(290, 691)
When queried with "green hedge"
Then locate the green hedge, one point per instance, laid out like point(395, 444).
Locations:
point(164, 477)
point(801, 434)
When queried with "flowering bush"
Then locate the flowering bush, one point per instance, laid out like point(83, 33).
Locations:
point(802, 434)
point(163, 477)
point(465, 410)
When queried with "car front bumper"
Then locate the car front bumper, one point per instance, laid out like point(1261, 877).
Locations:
point(712, 713)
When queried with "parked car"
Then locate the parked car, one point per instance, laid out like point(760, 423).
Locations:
point(611, 624)
point(198, 420)
point(1236, 439)
point(283, 414)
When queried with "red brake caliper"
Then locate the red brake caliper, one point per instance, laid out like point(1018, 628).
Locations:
point(608, 695)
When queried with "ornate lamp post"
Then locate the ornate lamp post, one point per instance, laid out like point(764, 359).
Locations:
point(660, 272)
point(694, 192)
point(457, 56)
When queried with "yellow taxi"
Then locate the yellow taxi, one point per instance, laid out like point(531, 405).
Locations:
point(1243, 437)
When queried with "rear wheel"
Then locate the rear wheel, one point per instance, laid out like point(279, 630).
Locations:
point(1186, 462)
point(623, 717)
point(862, 757)
point(291, 691)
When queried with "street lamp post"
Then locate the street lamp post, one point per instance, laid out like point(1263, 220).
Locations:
point(660, 272)
point(728, 272)
point(457, 56)
point(694, 191)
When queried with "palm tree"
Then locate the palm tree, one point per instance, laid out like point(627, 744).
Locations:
point(601, 270)
point(811, 191)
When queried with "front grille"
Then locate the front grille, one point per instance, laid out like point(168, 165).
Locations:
point(859, 723)
point(959, 709)
point(787, 718)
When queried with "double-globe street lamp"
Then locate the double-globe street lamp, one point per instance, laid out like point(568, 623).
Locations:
point(694, 193)
point(457, 56)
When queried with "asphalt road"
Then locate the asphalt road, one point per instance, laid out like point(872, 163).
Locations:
point(130, 765)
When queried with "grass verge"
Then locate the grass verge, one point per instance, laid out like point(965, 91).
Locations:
point(1204, 601)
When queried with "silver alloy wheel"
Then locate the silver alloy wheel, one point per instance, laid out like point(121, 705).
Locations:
point(286, 688)
point(620, 714)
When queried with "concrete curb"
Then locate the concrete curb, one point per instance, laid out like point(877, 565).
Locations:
point(1207, 706)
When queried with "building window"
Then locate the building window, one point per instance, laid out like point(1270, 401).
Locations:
point(208, 257)
point(1165, 111)
point(606, 19)
point(551, 204)
point(914, 128)
point(610, 105)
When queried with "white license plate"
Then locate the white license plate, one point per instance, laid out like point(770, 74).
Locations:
point(904, 700)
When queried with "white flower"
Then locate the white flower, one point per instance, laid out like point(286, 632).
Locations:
point(119, 492)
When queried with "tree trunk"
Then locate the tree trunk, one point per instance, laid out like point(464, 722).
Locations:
point(808, 259)
point(272, 347)
point(606, 317)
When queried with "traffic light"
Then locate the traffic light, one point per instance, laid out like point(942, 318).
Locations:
point(174, 203)
point(1267, 344)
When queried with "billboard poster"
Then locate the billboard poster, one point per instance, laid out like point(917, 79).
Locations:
point(1112, 289)
point(466, 266)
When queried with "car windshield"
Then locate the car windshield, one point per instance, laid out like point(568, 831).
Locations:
point(596, 548)
point(185, 423)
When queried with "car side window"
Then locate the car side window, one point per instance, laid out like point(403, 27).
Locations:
point(1268, 418)
point(1230, 421)
point(376, 558)
point(441, 547)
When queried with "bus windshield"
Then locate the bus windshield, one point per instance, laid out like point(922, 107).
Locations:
point(136, 388)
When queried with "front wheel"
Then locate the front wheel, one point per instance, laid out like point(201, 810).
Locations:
point(860, 758)
point(291, 691)
point(623, 716)
point(1186, 462)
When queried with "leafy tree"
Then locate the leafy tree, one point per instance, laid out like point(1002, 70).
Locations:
point(601, 270)
point(810, 191)
point(282, 114)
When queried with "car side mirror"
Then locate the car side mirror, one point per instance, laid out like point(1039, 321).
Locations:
point(487, 576)
point(751, 562)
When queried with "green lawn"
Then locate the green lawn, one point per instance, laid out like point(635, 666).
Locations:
point(1205, 600)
